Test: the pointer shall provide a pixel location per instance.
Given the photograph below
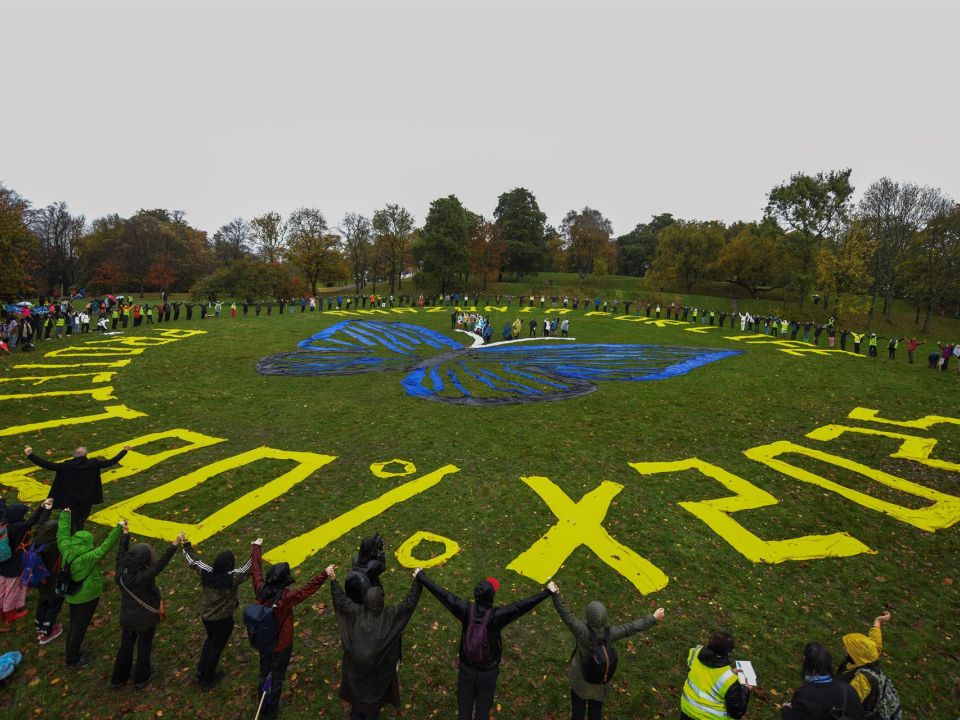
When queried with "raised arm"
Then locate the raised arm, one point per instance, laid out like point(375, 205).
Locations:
point(40, 462)
point(107, 462)
point(341, 603)
point(577, 626)
point(190, 555)
point(151, 572)
point(63, 528)
point(617, 632)
point(256, 550)
point(241, 573)
point(122, 551)
point(295, 597)
point(508, 613)
point(457, 606)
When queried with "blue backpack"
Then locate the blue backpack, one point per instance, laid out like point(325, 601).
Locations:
point(261, 626)
point(35, 572)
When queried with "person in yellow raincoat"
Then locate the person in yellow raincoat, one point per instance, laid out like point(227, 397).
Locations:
point(861, 669)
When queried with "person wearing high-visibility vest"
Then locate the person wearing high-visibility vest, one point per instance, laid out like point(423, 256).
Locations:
point(872, 345)
point(713, 688)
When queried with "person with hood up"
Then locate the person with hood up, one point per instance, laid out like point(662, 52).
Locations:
point(48, 602)
point(586, 698)
point(371, 636)
point(368, 565)
point(861, 668)
point(712, 689)
point(13, 593)
point(479, 666)
point(272, 590)
point(77, 482)
point(821, 697)
point(220, 583)
point(141, 607)
point(80, 560)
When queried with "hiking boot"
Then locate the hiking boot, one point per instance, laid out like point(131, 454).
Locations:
point(85, 659)
point(213, 682)
point(55, 632)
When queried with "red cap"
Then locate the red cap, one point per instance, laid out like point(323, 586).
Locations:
point(496, 584)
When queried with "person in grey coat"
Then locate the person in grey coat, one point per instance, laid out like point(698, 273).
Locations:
point(586, 698)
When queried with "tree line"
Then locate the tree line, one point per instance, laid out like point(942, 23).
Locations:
point(899, 240)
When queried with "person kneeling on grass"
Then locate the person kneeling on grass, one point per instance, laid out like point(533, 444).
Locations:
point(80, 568)
point(712, 689)
point(13, 592)
point(594, 660)
point(821, 697)
point(481, 646)
point(220, 583)
point(371, 637)
point(272, 591)
point(141, 607)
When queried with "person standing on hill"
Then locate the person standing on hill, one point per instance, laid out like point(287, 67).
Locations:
point(912, 345)
point(77, 483)
point(481, 646)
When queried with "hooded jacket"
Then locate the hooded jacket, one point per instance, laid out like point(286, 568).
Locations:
point(46, 536)
point(219, 597)
point(737, 696)
point(371, 636)
point(138, 575)
point(77, 481)
point(862, 652)
point(501, 616)
point(17, 529)
point(818, 700)
point(285, 600)
point(596, 623)
point(77, 552)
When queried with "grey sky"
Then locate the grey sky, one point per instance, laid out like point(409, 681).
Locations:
point(633, 108)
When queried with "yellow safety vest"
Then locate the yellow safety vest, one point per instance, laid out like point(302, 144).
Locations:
point(705, 689)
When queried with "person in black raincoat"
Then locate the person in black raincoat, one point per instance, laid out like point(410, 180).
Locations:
point(371, 636)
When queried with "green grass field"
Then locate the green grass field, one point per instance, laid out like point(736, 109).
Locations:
point(208, 384)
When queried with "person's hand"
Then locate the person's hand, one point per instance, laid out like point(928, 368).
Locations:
point(28, 450)
point(127, 448)
point(180, 539)
point(417, 571)
point(658, 614)
point(258, 541)
point(881, 618)
point(47, 504)
point(331, 572)
point(123, 526)
point(552, 587)
point(65, 510)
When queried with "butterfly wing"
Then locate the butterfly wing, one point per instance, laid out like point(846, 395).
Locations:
point(358, 346)
point(537, 371)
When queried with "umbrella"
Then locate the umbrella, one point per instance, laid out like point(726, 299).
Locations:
point(24, 303)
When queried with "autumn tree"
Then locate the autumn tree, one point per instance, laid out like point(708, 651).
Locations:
point(268, 233)
point(486, 249)
point(842, 265)
point(393, 226)
point(232, 241)
point(687, 251)
point(357, 233)
point(753, 257)
point(58, 235)
point(312, 249)
point(813, 207)
point(586, 237)
point(17, 246)
point(637, 249)
point(934, 260)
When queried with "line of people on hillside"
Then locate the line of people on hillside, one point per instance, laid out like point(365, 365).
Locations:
point(62, 561)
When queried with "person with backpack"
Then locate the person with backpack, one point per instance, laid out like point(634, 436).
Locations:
point(141, 607)
point(366, 569)
point(80, 582)
point(481, 646)
point(371, 636)
point(276, 604)
point(861, 669)
point(713, 689)
point(77, 482)
point(45, 551)
point(16, 526)
point(594, 659)
point(220, 583)
point(821, 697)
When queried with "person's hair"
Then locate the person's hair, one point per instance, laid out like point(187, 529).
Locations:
point(817, 660)
point(721, 642)
point(79, 451)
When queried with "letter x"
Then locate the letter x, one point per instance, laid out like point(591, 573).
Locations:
point(581, 524)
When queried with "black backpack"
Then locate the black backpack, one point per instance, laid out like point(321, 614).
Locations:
point(66, 585)
point(600, 665)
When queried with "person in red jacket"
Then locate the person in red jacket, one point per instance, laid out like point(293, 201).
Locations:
point(272, 590)
point(912, 344)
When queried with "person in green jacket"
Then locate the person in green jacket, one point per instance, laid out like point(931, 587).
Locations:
point(586, 698)
point(81, 560)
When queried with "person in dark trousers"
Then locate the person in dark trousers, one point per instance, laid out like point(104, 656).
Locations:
point(821, 697)
point(477, 677)
point(13, 593)
point(141, 606)
point(81, 560)
point(48, 602)
point(371, 635)
point(77, 482)
point(220, 583)
point(272, 590)
point(713, 689)
point(586, 698)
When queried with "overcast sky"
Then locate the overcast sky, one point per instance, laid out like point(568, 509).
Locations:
point(232, 109)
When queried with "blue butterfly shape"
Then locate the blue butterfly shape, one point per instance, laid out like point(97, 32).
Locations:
point(441, 369)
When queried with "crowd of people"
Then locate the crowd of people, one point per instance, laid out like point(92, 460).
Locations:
point(62, 561)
